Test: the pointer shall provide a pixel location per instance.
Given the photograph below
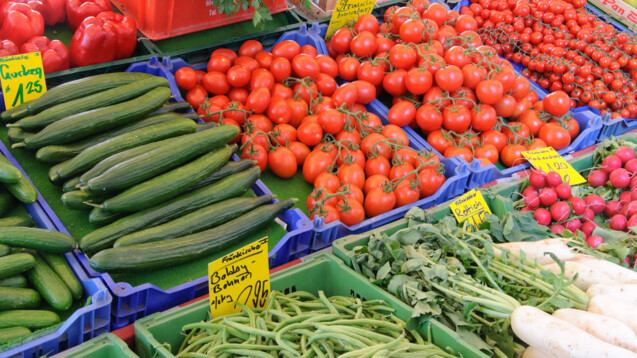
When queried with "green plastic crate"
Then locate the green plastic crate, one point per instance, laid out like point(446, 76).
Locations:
point(160, 335)
point(105, 346)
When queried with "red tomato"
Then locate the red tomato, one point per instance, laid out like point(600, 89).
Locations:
point(284, 134)
point(196, 96)
point(489, 91)
point(438, 141)
point(430, 181)
point(219, 63)
point(329, 214)
point(279, 90)
point(473, 75)
point(281, 69)
point(349, 135)
point(227, 53)
point(258, 100)
point(394, 82)
point(395, 134)
point(327, 181)
point(341, 40)
point(238, 94)
point(216, 83)
point(537, 143)
point(402, 113)
point(511, 155)
point(351, 174)
point(301, 151)
point(372, 145)
point(348, 68)
point(457, 119)
point(418, 81)
point(325, 84)
point(250, 48)
point(377, 166)
point(279, 111)
point(505, 107)
point(401, 171)
point(557, 103)
point(257, 153)
point(328, 65)
point(186, 78)
point(428, 118)
point(261, 78)
point(346, 95)
point(310, 133)
point(378, 201)
point(309, 50)
point(238, 76)
point(287, 49)
point(351, 213)
point(364, 44)
point(405, 194)
point(373, 182)
point(299, 110)
point(355, 193)
point(483, 118)
point(264, 59)
point(488, 152)
point(449, 78)
point(331, 121)
point(406, 155)
point(463, 152)
point(316, 163)
point(532, 121)
point(261, 122)
point(305, 66)
point(555, 136)
point(366, 92)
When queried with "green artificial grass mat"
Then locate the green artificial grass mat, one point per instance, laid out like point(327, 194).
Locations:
point(294, 187)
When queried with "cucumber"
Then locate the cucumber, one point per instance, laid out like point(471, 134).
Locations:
point(38, 239)
point(14, 298)
point(162, 254)
point(107, 163)
point(72, 90)
point(23, 190)
point(32, 319)
point(179, 107)
point(4, 250)
point(87, 103)
point(168, 185)
point(199, 220)
point(91, 156)
point(49, 284)
point(16, 221)
point(60, 153)
point(88, 123)
point(54, 177)
point(206, 126)
point(150, 164)
point(17, 135)
point(232, 167)
point(13, 334)
point(61, 267)
point(15, 263)
point(77, 199)
point(14, 281)
point(229, 187)
point(100, 217)
point(7, 201)
point(71, 184)
point(8, 173)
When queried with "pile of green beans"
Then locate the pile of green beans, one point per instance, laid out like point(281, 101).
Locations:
point(300, 324)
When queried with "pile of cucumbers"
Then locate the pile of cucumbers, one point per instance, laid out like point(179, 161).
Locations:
point(34, 272)
point(14, 185)
point(162, 186)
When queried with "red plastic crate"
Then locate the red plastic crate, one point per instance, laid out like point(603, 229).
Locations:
point(160, 19)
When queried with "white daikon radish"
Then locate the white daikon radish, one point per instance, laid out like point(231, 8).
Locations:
point(619, 274)
point(586, 276)
point(605, 328)
point(614, 308)
point(626, 292)
point(532, 352)
point(550, 334)
point(535, 251)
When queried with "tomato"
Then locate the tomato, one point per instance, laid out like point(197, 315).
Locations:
point(346, 95)
point(225, 52)
point(310, 133)
point(466, 23)
point(239, 115)
point(555, 136)
point(373, 74)
point(364, 44)
point(325, 84)
point(327, 181)
point(305, 66)
point(449, 78)
point(532, 121)
point(377, 166)
point(238, 76)
point(394, 82)
point(507, 78)
point(405, 194)
point(402, 56)
point(327, 65)
point(351, 213)
point(368, 124)
point(511, 155)
point(216, 83)
point(537, 143)
point(406, 155)
point(412, 31)
point(196, 96)
point(505, 107)
point(473, 75)
point(264, 59)
point(517, 133)
point(250, 48)
point(351, 156)
point(373, 145)
point(299, 110)
point(287, 49)
point(331, 121)
point(301, 151)
point(258, 100)
point(209, 112)
point(483, 118)
point(219, 63)
point(463, 152)
point(349, 135)
point(279, 111)
point(186, 78)
point(521, 88)
point(238, 94)
point(430, 181)
point(329, 214)
point(497, 138)
point(355, 193)
point(418, 81)
point(437, 13)
point(489, 91)
point(401, 171)
point(572, 126)
point(348, 68)
point(488, 152)
point(261, 78)
point(351, 174)
point(402, 113)
point(279, 90)
point(281, 69)
point(366, 22)
point(378, 201)
point(316, 163)
point(557, 103)
point(257, 153)
point(438, 141)
point(261, 122)
point(395, 134)
point(373, 182)
point(457, 119)
point(200, 75)
point(341, 40)
point(428, 118)
point(284, 134)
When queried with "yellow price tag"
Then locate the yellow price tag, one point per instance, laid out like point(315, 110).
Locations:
point(22, 78)
point(548, 160)
point(347, 11)
point(242, 276)
point(472, 207)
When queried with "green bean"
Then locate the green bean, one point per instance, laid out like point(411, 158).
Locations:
point(251, 353)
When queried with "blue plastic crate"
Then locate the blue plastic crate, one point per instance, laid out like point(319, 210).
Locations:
point(87, 322)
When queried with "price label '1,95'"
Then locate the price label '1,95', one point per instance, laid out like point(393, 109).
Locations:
point(472, 207)
point(242, 276)
point(22, 78)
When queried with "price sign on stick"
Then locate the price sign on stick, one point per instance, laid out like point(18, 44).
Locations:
point(548, 160)
point(472, 207)
point(242, 276)
point(347, 11)
point(22, 78)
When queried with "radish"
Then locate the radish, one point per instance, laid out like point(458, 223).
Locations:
point(625, 153)
point(626, 292)
point(557, 229)
point(530, 190)
point(594, 241)
point(632, 222)
point(542, 216)
point(618, 222)
point(611, 163)
point(538, 250)
point(563, 191)
point(531, 201)
point(560, 211)
point(605, 328)
point(526, 209)
point(630, 209)
point(586, 276)
point(578, 205)
point(595, 203)
point(619, 178)
point(633, 194)
point(633, 182)
point(618, 273)
point(614, 308)
point(532, 352)
point(553, 179)
point(548, 196)
point(550, 334)
point(612, 208)
point(631, 166)
point(597, 178)
point(588, 227)
point(573, 225)
point(625, 197)
point(589, 214)
point(537, 179)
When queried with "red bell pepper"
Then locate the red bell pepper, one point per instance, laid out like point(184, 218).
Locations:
point(53, 11)
point(78, 10)
point(126, 33)
point(36, 5)
point(95, 41)
point(55, 56)
point(8, 48)
point(21, 23)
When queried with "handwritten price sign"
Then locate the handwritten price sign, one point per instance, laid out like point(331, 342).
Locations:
point(22, 78)
point(472, 207)
point(548, 160)
point(242, 277)
point(347, 11)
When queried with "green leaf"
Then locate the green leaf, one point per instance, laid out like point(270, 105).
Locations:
point(384, 271)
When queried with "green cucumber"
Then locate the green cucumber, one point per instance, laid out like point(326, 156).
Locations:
point(199, 220)
point(88, 123)
point(206, 126)
point(13, 334)
point(178, 107)
point(150, 164)
point(77, 200)
point(107, 163)
point(229, 187)
point(72, 90)
point(7, 201)
point(17, 135)
point(15, 263)
point(38, 239)
point(87, 103)
point(13, 298)
point(54, 177)
point(4, 250)
point(60, 153)
point(162, 254)
point(13, 281)
point(168, 185)
point(91, 156)
point(33, 319)
point(24, 221)
point(232, 167)
point(49, 284)
point(8, 173)
point(71, 184)
point(100, 217)
point(61, 267)
point(23, 190)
